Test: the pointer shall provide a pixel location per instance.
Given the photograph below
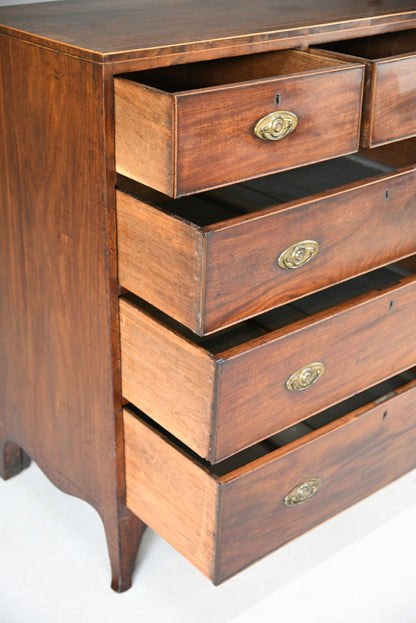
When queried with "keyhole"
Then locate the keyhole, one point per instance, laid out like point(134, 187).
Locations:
point(277, 99)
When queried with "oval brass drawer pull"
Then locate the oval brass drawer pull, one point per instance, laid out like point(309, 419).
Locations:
point(305, 377)
point(276, 125)
point(302, 492)
point(298, 254)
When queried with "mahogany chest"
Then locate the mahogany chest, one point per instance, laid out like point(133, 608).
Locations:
point(208, 264)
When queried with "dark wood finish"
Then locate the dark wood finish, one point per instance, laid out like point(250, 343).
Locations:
point(210, 276)
point(211, 124)
point(224, 523)
point(124, 532)
point(60, 393)
point(354, 457)
point(398, 154)
point(13, 459)
point(60, 370)
point(243, 387)
point(158, 32)
point(390, 92)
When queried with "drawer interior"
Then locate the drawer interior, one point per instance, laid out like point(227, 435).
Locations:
point(281, 317)
point(213, 207)
point(217, 72)
point(375, 395)
point(377, 46)
point(349, 408)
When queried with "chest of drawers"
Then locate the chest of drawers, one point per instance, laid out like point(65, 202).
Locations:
point(207, 262)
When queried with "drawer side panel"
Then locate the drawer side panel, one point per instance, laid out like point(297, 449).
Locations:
point(171, 494)
point(167, 377)
point(160, 259)
point(145, 134)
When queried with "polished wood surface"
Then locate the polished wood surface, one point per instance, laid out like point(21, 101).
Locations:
point(223, 523)
point(61, 363)
point(243, 386)
point(162, 31)
point(175, 378)
point(145, 134)
point(398, 154)
point(192, 145)
point(161, 259)
point(393, 118)
point(60, 388)
point(172, 494)
point(390, 91)
point(208, 275)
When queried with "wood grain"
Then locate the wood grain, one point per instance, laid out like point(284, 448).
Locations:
point(394, 100)
point(242, 276)
point(171, 494)
point(59, 362)
point(199, 396)
point(169, 378)
point(145, 134)
point(325, 129)
point(346, 339)
point(161, 259)
point(354, 455)
point(59, 316)
point(210, 276)
point(161, 32)
point(390, 92)
point(212, 124)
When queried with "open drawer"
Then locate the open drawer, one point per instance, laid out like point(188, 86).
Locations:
point(390, 87)
point(225, 517)
point(222, 256)
point(191, 127)
point(222, 393)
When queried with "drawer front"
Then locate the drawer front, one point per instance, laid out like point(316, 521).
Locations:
point(210, 277)
point(392, 101)
point(390, 84)
point(359, 345)
point(247, 271)
point(220, 403)
point(185, 142)
point(222, 524)
point(217, 144)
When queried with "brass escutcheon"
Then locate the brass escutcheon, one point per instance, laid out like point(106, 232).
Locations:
point(305, 377)
point(276, 125)
point(302, 492)
point(298, 254)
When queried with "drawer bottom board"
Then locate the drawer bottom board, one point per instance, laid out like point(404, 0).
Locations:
point(223, 522)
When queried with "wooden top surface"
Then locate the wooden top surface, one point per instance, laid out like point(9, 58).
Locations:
point(121, 30)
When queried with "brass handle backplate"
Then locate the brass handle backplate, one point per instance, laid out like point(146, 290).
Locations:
point(302, 492)
point(298, 254)
point(305, 377)
point(276, 125)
